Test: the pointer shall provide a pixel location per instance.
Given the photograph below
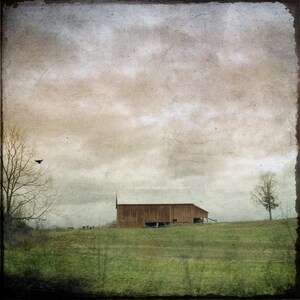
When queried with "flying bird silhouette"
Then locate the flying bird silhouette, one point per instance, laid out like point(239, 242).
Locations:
point(38, 161)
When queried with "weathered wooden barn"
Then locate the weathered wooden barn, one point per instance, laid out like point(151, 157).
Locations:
point(139, 208)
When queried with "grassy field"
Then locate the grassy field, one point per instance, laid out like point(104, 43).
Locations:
point(240, 258)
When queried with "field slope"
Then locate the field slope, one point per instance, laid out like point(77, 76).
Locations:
point(240, 258)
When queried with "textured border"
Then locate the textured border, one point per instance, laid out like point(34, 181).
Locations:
point(293, 6)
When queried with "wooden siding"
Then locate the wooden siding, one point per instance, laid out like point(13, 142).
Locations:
point(136, 215)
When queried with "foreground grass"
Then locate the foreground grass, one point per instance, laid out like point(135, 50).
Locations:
point(241, 258)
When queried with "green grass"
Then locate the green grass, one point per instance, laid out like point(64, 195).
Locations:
point(240, 258)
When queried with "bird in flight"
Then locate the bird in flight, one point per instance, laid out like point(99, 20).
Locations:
point(38, 161)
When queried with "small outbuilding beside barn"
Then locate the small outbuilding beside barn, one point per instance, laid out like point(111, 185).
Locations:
point(140, 208)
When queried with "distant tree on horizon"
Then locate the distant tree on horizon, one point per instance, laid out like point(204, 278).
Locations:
point(264, 192)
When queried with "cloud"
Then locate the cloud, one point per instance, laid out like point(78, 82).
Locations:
point(199, 96)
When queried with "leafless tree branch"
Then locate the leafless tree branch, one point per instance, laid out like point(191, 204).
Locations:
point(265, 194)
point(26, 185)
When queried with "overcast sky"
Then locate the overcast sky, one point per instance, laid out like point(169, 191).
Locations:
point(189, 96)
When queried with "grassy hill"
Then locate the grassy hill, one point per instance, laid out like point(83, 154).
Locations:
point(240, 258)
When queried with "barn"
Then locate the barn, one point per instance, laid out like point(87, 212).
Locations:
point(139, 208)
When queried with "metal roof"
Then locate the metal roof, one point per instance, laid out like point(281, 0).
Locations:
point(154, 196)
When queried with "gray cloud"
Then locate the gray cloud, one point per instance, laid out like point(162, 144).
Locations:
point(199, 96)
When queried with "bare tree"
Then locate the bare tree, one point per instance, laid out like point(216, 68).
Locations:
point(264, 192)
point(26, 183)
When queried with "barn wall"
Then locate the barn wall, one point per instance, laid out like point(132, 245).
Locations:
point(136, 215)
point(200, 213)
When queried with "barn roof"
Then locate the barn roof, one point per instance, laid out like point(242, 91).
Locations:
point(154, 196)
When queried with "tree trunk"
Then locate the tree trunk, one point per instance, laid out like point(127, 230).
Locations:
point(270, 214)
